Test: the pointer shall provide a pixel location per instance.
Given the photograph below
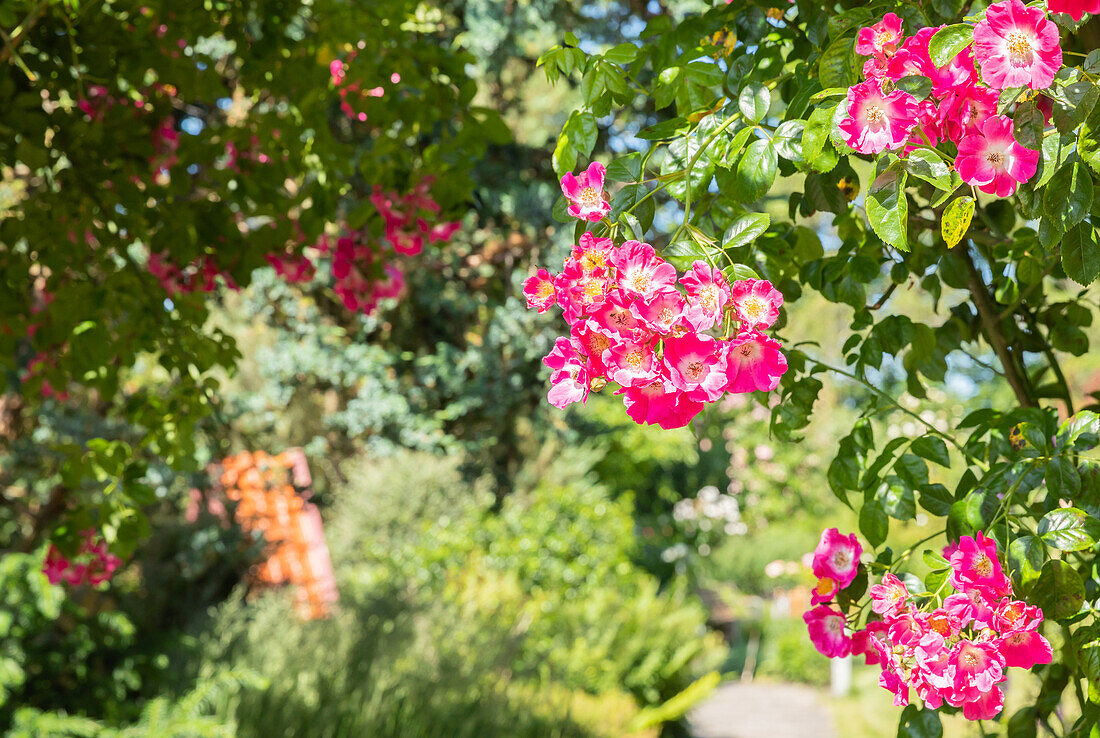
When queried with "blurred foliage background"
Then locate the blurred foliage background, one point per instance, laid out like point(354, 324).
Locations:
point(504, 569)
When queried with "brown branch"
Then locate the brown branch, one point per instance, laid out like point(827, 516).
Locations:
point(991, 329)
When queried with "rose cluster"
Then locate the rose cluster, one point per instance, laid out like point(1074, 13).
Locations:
point(354, 91)
point(93, 564)
point(953, 649)
point(201, 275)
point(366, 272)
point(638, 323)
point(1014, 46)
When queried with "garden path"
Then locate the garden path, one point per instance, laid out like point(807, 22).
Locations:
point(762, 710)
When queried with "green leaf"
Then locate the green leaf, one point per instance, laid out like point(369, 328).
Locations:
point(683, 254)
point(916, 85)
point(578, 137)
point(935, 561)
point(1059, 590)
point(1081, 254)
point(888, 209)
point(932, 448)
point(622, 54)
point(874, 523)
point(1026, 556)
point(1062, 477)
point(745, 230)
point(756, 171)
point(815, 136)
point(956, 220)
point(936, 499)
point(897, 499)
point(754, 102)
point(836, 66)
point(948, 42)
point(664, 130)
point(919, 723)
point(625, 168)
point(1068, 196)
point(1028, 124)
point(1069, 529)
point(930, 166)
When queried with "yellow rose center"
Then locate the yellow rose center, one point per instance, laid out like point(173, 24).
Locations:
point(589, 196)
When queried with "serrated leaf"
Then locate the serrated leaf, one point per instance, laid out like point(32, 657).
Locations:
point(1069, 529)
point(874, 523)
point(1081, 254)
point(835, 68)
point(933, 449)
point(1062, 477)
point(1059, 590)
point(947, 42)
point(956, 220)
point(930, 167)
point(745, 230)
point(754, 102)
point(683, 254)
point(888, 209)
point(756, 171)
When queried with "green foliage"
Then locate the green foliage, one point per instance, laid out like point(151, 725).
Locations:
point(947, 294)
point(504, 621)
point(84, 168)
point(188, 717)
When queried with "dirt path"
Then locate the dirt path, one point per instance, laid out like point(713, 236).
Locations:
point(761, 710)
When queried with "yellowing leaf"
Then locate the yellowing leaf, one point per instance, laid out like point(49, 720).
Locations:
point(956, 219)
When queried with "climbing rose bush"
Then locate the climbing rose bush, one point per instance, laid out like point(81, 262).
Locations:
point(856, 152)
point(952, 646)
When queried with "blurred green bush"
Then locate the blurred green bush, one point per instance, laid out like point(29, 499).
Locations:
point(456, 619)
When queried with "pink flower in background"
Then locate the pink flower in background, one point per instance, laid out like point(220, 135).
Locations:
point(837, 557)
point(1075, 8)
point(585, 193)
point(993, 160)
point(889, 597)
point(878, 120)
point(755, 302)
point(754, 362)
point(1017, 46)
point(93, 563)
point(539, 291)
point(827, 631)
point(881, 39)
